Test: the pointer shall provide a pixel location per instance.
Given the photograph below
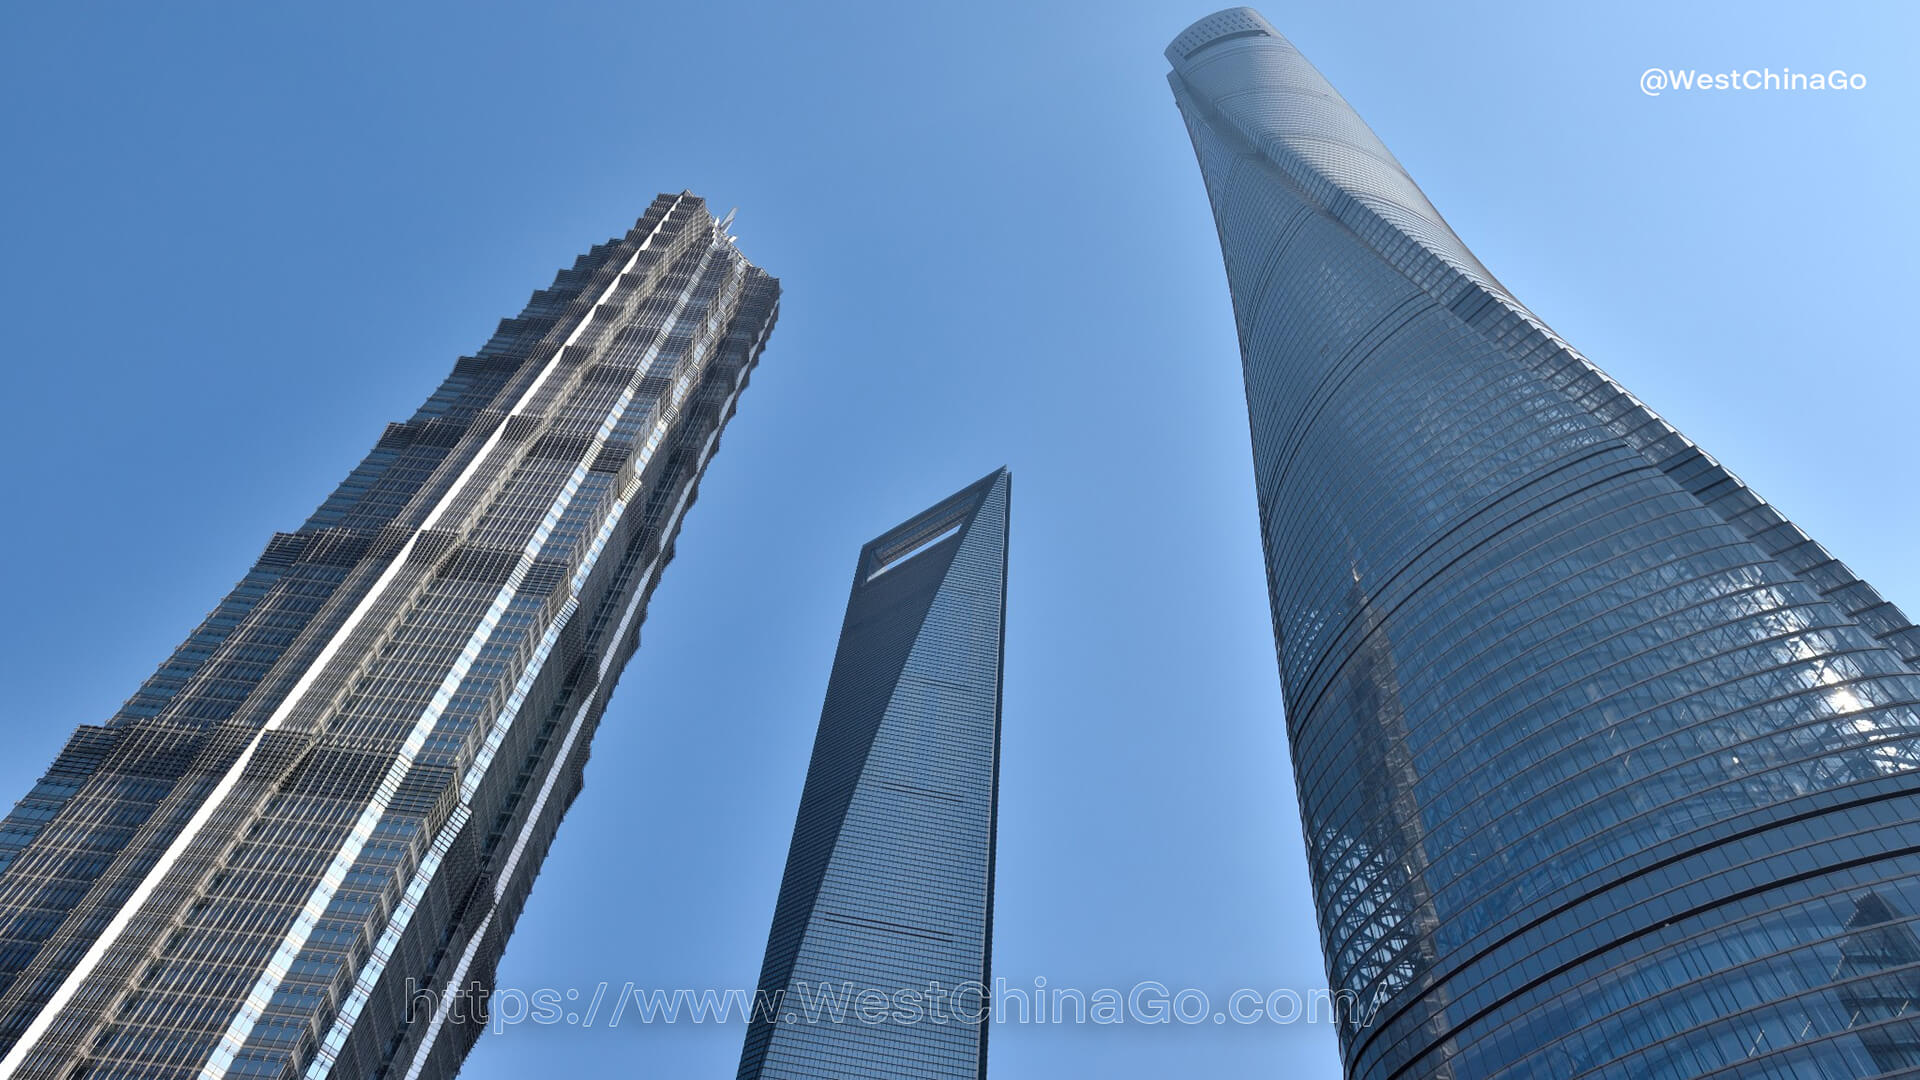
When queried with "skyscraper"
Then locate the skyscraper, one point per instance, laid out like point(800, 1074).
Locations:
point(1605, 768)
point(322, 816)
point(886, 906)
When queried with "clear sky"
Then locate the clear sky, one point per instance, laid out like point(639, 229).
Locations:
point(238, 239)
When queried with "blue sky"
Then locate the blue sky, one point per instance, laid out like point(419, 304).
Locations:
point(238, 240)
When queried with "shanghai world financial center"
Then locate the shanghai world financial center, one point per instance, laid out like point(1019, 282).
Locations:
point(1605, 768)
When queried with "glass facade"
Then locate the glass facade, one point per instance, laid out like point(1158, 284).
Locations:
point(328, 806)
point(1605, 767)
point(888, 890)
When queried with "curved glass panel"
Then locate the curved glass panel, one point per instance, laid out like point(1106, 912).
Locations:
point(1603, 764)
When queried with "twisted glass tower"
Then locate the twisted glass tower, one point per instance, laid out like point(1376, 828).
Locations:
point(304, 841)
point(877, 964)
point(1605, 768)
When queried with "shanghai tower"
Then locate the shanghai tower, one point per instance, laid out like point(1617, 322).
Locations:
point(877, 964)
point(302, 844)
point(1605, 768)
